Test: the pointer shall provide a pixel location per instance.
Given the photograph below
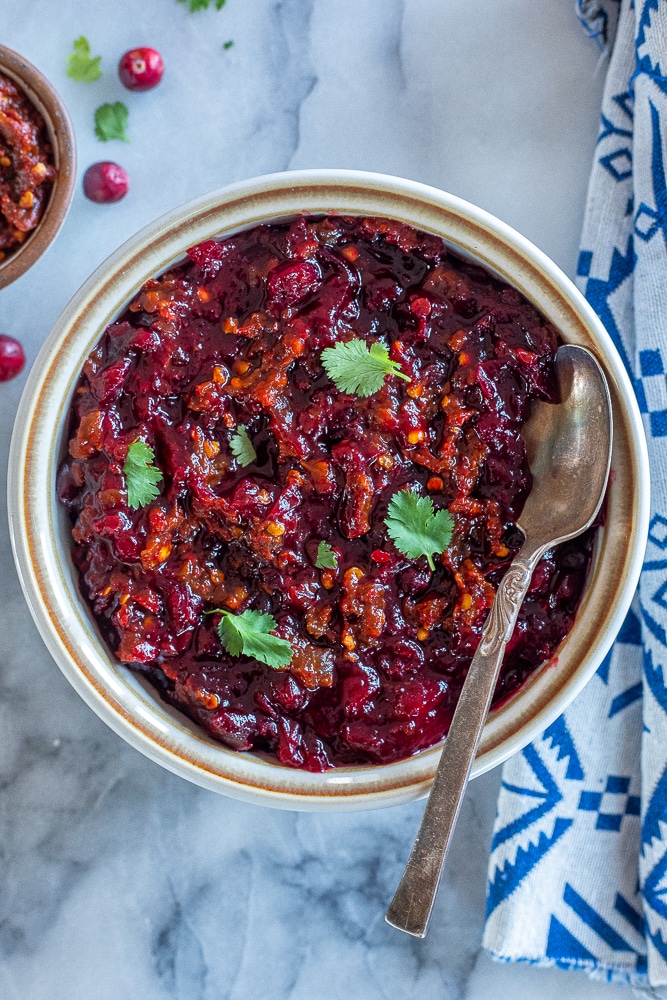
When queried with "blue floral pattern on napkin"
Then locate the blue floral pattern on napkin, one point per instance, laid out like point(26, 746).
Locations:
point(578, 867)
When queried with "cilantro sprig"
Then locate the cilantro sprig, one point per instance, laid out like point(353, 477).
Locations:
point(81, 65)
point(326, 557)
point(141, 476)
point(250, 633)
point(111, 122)
point(357, 370)
point(242, 447)
point(195, 5)
point(415, 528)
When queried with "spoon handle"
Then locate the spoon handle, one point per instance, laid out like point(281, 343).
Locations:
point(411, 907)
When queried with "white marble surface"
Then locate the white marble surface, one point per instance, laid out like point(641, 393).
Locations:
point(117, 879)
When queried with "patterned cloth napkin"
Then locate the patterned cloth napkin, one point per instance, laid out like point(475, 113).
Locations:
point(578, 867)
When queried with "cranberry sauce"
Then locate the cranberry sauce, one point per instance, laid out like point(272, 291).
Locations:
point(380, 644)
point(27, 171)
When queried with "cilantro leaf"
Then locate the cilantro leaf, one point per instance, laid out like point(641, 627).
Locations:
point(203, 4)
point(358, 371)
point(111, 122)
point(414, 527)
point(242, 447)
point(141, 476)
point(228, 45)
point(81, 65)
point(250, 633)
point(326, 557)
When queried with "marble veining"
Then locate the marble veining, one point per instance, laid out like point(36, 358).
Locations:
point(293, 78)
point(117, 879)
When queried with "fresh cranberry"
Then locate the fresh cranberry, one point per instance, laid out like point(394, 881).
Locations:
point(141, 69)
point(105, 182)
point(12, 358)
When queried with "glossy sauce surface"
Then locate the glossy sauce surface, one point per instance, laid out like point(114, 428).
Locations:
point(26, 167)
point(381, 644)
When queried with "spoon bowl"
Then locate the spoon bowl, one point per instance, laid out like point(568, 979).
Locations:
point(569, 451)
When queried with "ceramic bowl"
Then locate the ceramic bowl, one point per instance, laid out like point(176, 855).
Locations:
point(43, 96)
point(41, 535)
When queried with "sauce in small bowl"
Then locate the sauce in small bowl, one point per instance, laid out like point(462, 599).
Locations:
point(37, 164)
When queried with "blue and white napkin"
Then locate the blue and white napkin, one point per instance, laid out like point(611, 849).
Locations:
point(578, 867)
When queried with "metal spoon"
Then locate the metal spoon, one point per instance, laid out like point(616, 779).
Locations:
point(569, 451)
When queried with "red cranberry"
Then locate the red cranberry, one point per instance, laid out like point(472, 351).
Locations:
point(289, 283)
point(12, 358)
point(104, 182)
point(141, 69)
point(208, 255)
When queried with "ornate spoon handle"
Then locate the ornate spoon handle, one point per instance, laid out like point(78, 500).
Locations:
point(412, 904)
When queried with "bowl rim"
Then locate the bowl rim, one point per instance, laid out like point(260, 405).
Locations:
point(117, 697)
point(43, 95)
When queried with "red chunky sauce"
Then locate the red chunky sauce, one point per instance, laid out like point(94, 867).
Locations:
point(381, 645)
point(26, 167)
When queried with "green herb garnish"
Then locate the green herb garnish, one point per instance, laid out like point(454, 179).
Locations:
point(326, 557)
point(81, 65)
point(415, 528)
point(228, 45)
point(242, 447)
point(250, 633)
point(358, 371)
point(111, 122)
point(141, 476)
point(203, 4)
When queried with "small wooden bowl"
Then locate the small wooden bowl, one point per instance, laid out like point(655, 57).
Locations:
point(41, 93)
